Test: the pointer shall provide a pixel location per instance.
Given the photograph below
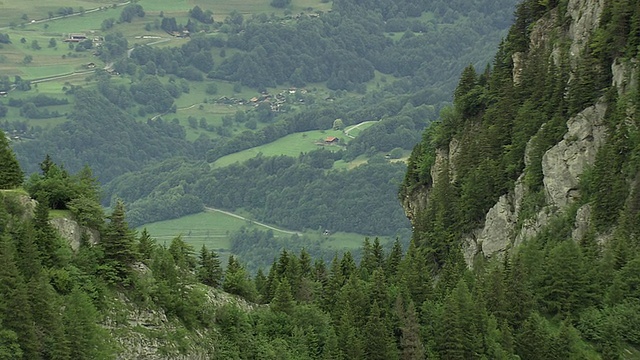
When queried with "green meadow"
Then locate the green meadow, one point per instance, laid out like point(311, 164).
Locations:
point(213, 229)
point(354, 130)
point(290, 145)
point(209, 228)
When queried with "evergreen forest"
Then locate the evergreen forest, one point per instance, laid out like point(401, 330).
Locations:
point(117, 293)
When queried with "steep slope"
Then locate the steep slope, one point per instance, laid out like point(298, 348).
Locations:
point(548, 132)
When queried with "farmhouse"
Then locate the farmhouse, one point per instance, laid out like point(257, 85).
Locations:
point(331, 140)
point(75, 38)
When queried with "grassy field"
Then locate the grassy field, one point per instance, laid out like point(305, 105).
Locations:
point(209, 228)
point(355, 130)
point(290, 145)
point(213, 229)
point(13, 11)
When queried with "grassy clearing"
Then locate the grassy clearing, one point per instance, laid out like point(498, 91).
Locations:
point(290, 145)
point(355, 130)
point(343, 241)
point(17, 192)
point(208, 228)
point(59, 214)
point(213, 229)
point(221, 9)
point(13, 11)
point(341, 164)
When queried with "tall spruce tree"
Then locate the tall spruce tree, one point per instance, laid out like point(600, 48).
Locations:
point(146, 245)
point(209, 271)
point(14, 302)
point(379, 344)
point(283, 300)
point(11, 175)
point(47, 314)
point(411, 346)
point(87, 339)
point(118, 245)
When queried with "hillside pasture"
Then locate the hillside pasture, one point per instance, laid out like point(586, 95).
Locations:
point(13, 11)
point(213, 229)
point(208, 228)
point(222, 9)
point(290, 145)
point(354, 130)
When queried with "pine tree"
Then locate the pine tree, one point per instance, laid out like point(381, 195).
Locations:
point(330, 350)
point(87, 339)
point(146, 245)
point(534, 340)
point(354, 294)
point(236, 280)
point(283, 300)
point(393, 260)
point(493, 341)
point(14, 302)
point(416, 275)
point(47, 314)
point(28, 253)
point(182, 254)
point(411, 346)
point(334, 283)
point(210, 270)
point(564, 285)
point(118, 243)
point(379, 290)
point(45, 236)
point(349, 341)
point(372, 257)
point(261, 285)
point(11, 175)
point(304, 264)
point(460, 329)
point(9, 347)
point(378, 342)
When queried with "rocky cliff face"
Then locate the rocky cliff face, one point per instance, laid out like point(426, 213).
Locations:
point(72, 232)
point(144, 333)
point(563, 164)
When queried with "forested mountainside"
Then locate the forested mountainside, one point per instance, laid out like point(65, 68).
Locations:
point(523, 198)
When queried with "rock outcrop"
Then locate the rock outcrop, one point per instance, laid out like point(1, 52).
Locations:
point(72, 232)
point(563, 164)
point(143, 333)
point(585, 17)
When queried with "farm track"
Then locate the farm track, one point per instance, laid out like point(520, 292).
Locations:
point(350, 128)
point(61, 76)
point(252, 221)
point(34, 22)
